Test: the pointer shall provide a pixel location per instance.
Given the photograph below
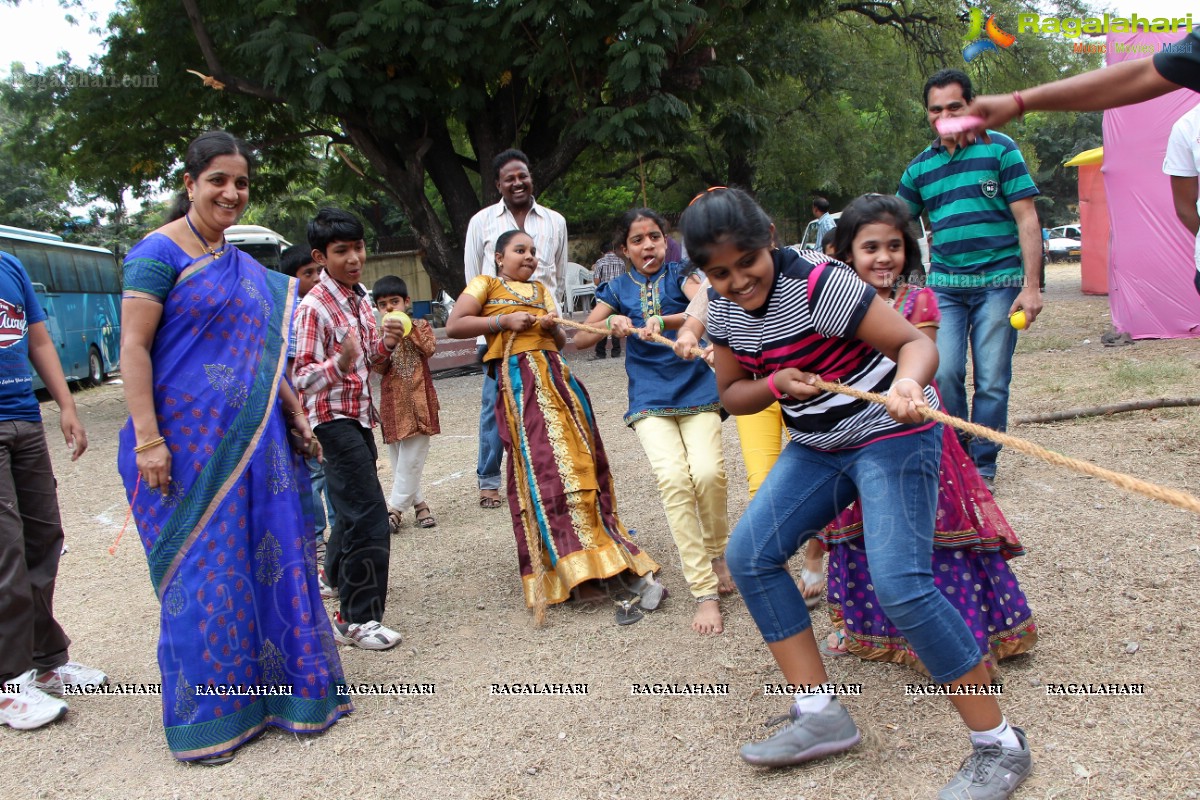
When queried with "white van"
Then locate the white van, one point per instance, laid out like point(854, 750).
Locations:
point(1064, 242)
point(809, 240)
point(262, 244)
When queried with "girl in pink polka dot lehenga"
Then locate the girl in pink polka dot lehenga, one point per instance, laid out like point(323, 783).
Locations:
point(972, 541)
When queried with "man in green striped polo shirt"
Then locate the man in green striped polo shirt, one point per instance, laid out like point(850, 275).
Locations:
point(985, 259)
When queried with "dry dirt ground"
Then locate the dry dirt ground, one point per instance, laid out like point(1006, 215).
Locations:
point(1111, 576)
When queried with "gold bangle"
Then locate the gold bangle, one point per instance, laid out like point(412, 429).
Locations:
point(141, 448)
point(297, 413)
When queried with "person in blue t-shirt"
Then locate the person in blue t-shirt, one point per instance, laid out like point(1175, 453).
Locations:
point(33, 647)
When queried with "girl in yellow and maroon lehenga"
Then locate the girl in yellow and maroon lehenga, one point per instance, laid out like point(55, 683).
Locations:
point(560, 491)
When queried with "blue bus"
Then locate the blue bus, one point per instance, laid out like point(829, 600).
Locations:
point(79, 287)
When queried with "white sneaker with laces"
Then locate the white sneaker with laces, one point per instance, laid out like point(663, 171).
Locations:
point(70, 674)
point(24, 706)
point(367, 635)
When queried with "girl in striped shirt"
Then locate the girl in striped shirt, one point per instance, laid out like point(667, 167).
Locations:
point(778, 319)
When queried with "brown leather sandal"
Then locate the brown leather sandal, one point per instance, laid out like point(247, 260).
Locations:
point(425, 518)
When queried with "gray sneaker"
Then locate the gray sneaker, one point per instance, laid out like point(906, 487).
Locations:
point(805, 737)
point(991, 772)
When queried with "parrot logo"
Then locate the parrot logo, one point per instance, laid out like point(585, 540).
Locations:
point(982, 36)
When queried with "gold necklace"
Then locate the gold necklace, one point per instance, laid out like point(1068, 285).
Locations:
point(212, 251)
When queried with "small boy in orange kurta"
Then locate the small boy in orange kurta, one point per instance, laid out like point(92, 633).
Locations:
point(408, 405)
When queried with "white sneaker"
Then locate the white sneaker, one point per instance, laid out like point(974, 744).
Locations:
point(71, 674)
point(327, 592)
point(24, 706)
point(367, 635)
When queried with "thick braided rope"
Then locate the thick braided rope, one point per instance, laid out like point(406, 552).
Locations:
point(533, 540)
point(1129, 483)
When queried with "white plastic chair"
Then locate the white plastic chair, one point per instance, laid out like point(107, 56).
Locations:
point(578, 284)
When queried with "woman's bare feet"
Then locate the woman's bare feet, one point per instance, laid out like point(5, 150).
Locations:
point(707, 619)
point(725, 584)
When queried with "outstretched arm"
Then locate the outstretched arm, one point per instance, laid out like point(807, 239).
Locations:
point(1122, 84)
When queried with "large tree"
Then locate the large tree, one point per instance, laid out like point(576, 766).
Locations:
point(421, 95)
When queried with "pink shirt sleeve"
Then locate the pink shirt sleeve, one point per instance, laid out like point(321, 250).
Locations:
point(925, 313)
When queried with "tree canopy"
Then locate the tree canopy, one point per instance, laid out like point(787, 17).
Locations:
point(421, 92)
point(398, 106)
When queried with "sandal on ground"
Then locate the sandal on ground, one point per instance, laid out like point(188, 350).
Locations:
point(487, 501)
point(834, 650)
point(628, 613)
point(395, 519)
point(212, 761)
point(425, 518)
point(810, 578)
point(650, 592)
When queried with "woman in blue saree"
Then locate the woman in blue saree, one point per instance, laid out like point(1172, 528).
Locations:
point(212, 478)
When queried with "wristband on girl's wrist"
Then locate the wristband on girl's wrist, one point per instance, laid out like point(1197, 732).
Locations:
point(662, 323)
point(910, 380)
point(775, 389)
point(608, 322)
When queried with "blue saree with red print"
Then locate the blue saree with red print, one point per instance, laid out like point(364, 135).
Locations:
point(245, 642)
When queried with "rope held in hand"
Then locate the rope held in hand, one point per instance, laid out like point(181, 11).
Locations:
point(1129, 483)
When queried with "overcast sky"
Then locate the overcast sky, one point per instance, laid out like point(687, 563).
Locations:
point(37, 30)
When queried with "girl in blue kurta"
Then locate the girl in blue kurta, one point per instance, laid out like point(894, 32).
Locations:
point(673, 407)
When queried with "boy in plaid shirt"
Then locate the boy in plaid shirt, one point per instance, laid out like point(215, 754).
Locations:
point(337, 343)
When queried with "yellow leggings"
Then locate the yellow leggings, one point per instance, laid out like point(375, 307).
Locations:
point(685, 452)
point(762, 436)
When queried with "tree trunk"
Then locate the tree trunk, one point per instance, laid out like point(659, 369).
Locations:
point(399, 164)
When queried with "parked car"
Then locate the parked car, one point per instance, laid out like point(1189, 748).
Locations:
point(809, 240)
point(1065, 242)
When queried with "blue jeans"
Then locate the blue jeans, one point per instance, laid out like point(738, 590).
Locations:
point(897, 481)
point(978, 316)
point(318, 500)
point(487, 469)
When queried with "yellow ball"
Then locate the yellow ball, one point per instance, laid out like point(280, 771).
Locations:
point(1018, 321)
point(404, 320)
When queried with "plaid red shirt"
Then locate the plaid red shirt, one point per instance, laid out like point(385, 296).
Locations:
point(328, 314)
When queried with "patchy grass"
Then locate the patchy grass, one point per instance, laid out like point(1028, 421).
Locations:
point(1152, 376)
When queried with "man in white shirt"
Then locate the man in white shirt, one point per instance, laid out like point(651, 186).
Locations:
point(1183, 165)
point(517, 210)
